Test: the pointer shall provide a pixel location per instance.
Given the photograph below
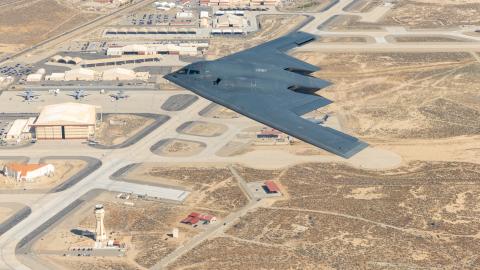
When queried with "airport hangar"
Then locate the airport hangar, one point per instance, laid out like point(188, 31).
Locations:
point(66, 121)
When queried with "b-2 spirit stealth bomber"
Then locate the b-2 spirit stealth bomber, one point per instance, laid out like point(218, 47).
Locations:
point(271, 87)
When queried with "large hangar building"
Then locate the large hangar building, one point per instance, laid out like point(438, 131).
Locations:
point(66, 121)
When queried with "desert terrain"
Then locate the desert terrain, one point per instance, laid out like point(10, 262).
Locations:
point(424, 214)
point(213, 187)
point(28, 22)
point(414, 14)
point(177, 148)
point(419, 101)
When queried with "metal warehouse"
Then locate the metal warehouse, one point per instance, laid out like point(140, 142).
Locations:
point(66, 121)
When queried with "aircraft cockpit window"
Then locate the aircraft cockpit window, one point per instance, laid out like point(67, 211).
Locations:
point(193, 71)
point(182, 71)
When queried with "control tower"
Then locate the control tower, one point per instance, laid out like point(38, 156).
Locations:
point(100, 234)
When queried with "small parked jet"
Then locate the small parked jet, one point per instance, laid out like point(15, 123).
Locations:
point(271, 87)
point(78, 94)
point(29, 95)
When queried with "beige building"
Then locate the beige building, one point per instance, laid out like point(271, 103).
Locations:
point(123, 74)
point(66, 121)
point(230, 20)
point(80, 74)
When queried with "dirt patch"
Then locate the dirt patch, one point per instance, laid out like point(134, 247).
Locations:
point(421, 215)
point(30, 22)
point(433, 14)
point(202, 128)
point(177, 148)
point(5, 212)
point(402, 95)
point(117, 128)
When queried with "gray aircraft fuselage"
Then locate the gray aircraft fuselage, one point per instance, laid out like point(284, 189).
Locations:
point(256, 77)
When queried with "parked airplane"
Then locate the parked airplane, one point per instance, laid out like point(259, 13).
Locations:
point(29, 95)
point(78, 94)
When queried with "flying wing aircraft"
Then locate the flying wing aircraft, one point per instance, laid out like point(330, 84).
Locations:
point(78, 94)
point(29, 95)
point(271, 87)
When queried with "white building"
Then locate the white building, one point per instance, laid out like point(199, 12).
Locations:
point(19, 130)
point(56, 76)
point(34, 77)
point(184, 15)
point(27, 172)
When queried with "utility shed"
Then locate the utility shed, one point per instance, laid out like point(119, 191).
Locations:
point(19, 130)
point(271, 187)
point(66, 121)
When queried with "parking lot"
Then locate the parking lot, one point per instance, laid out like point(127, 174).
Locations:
point(150, 19)
point(17, 70)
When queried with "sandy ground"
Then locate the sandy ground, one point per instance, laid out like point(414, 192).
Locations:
point(180, 148)
point(333, 216)
point(64, 169)
point(5, 213)
point(204, 129)
point(433, 13)
point(30, 22)
point(117, 128)
point(401, 101)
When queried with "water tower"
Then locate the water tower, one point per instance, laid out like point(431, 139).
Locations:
point(100, 234)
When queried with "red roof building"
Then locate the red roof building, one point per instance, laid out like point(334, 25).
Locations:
point(194, 217)
point(271, 187)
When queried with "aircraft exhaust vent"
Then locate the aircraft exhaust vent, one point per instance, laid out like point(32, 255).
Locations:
point(303, 72)
point(304, 89)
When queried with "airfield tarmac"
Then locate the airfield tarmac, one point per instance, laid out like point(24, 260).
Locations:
point(401, 157)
